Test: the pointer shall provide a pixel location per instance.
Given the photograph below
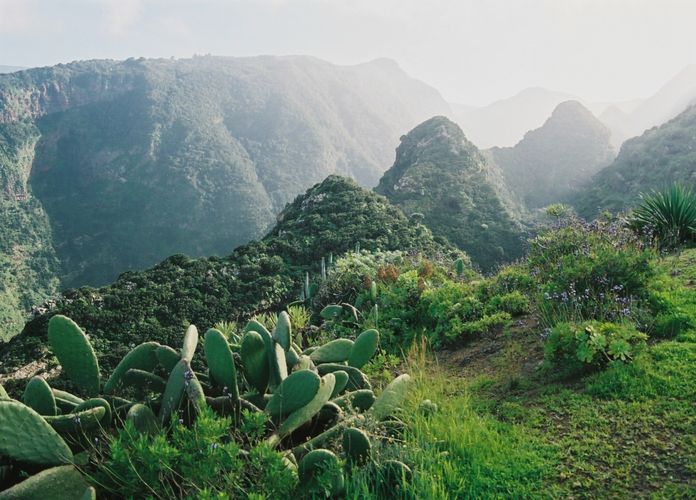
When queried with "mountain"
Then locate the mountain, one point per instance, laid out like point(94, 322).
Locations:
point(551, 161)
point(10, 69)
point(673, 98)
point(108, 166)
point(441, 175)
point(331, 217)
point(504, 122)
point(653, 161)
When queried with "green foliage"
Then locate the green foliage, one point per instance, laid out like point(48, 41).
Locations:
point(576, 348)
point(153, 305)
point(668, 217)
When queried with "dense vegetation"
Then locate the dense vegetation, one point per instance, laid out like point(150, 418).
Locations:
point(653, 161)
point(551, 162)
point(443, 177)
point(331, 218)
point(114, 166)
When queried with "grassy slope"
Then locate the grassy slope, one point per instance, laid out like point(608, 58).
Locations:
point(504, 430)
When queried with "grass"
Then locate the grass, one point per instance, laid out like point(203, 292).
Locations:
point(515, 432)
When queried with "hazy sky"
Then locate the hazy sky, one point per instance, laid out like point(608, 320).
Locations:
point(472, 51)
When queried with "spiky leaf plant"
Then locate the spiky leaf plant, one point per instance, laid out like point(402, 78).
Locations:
point(668, 216)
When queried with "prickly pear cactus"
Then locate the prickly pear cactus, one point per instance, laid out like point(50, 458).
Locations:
point(334, 351)
point(320, 469)
point(356, 445)
point(167, 357)
point(3, 393)
point(283, 330)
point(331, 312)
point(188, 349)
point(361, 400)
point(26, 437)
point(75, 423)
point(293, 393)
point(305, 414)
point(341, 382)
point(392, 397)
point(255, 360)
point(57, 482)
point(356, 378)
point(144, 420)
point(96, 403)
point(220, 362)
point(75, 354)
point(175, 390)
point(39, 397)
point(142, 357)
point(364, 348)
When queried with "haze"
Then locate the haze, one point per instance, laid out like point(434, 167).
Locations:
point(474, 52)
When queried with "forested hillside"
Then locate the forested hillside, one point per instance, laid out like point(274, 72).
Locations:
point(653, 161)
point(443, 177)
point(332, 218)
point(110, 166)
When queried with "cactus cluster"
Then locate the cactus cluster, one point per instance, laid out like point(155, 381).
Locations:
point(309, 398)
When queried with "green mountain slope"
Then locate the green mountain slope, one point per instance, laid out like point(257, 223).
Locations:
point(659, 157)
point(332, 217)
point(440, 174)
point(113, 166)
point(548, 164)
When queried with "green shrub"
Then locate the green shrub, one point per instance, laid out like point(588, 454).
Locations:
point(514, 303)
point(668, 217)
point(189, 459)
point(597, 271)
point(573, 348)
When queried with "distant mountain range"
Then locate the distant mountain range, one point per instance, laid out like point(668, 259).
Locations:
point(504, 122)
point(551, 162)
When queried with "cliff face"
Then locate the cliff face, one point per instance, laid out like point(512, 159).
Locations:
point(125, 163)
point(441, 175)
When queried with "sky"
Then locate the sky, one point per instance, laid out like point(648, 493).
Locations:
point(473, 51)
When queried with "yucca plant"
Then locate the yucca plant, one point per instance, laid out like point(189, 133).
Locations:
point(668, 217)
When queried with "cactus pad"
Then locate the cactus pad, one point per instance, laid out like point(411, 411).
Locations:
point(331, 352)
point(144, 420)
point(356, 445)
point(75, 354)
point(167, 357)
point(318, 469)
point(220, 362)
point(341, 382)
point(175, 389)
point(188, 349)
point(39, 397)
point(392, 397)
point(331, 312)
point(57, 482)
point(364, 348)
point(255, 360)
point(142, 357)
point(26, 437)
point(84, 421)
point(361, 400)
point(294, 392)
point(283, 330)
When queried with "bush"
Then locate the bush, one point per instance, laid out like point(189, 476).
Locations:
point(573, 348)
point(597, 271)
point(514, 303)
point(667, 217)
